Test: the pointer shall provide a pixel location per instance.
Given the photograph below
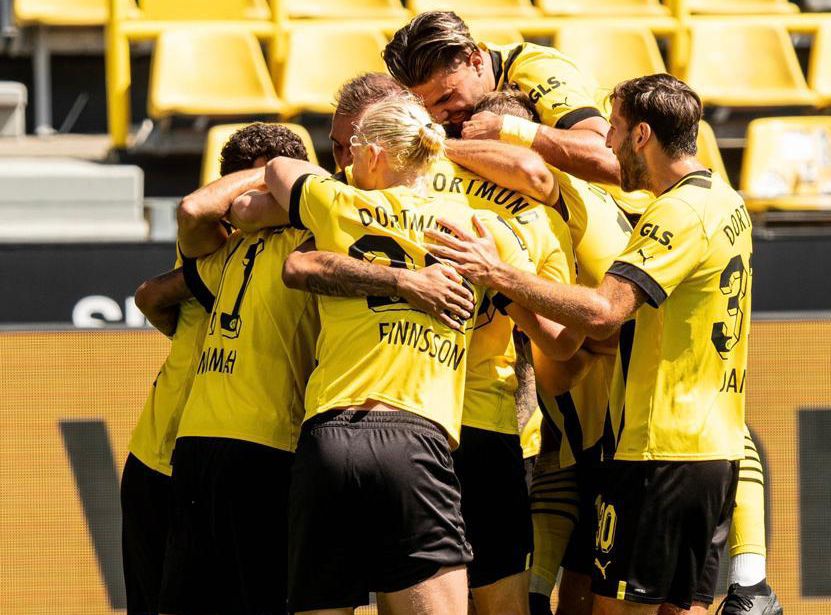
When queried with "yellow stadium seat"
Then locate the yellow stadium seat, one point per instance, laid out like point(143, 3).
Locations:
point(605, 8)
point(819, 69)
point(471, 9)
point(218, 136)
point(737, 64)
point(64, 13)
point(614, 54)
point(344, 8)
point(321, 57)
point(741, 7)
point(708, 152)
point(204, 10)
point(787, 164)
point(209, 71)
point(495, 35)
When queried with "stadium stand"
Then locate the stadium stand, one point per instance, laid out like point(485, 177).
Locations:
point(202, 10)
point(787, 164)
point(477, 8)
point(498, 36)
point(741, 7)
point(629, 8)
point(13, 98)
point(738, 64)
point(819, 70)
point(337, 9)
point(616, 52)
point(218, 136)
point(311, 86)
point(210, 71)
point(70, 200)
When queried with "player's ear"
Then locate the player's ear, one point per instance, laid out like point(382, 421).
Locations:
point(642, 135)
point(475, 60)
point(374, 156)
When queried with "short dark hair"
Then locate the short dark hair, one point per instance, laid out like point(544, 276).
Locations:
point(670, 107)
point(431, 41)
point(364, 90)
point(509, 101)
point(259, 141)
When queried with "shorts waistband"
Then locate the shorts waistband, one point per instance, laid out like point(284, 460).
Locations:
point(372, 419)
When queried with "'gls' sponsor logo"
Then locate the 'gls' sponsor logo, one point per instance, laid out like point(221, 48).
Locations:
point(541, 89)
point(654, 232)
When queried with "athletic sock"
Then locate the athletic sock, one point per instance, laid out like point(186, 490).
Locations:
point(747, 569)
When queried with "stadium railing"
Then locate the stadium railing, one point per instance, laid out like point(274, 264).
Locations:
point(218, 136)
point(787, 164)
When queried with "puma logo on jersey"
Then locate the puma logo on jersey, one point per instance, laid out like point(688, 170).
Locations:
point(561, 104)
point(601, 567)
point(644, 256)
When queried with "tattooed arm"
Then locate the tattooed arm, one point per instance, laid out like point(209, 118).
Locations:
point(436, 290)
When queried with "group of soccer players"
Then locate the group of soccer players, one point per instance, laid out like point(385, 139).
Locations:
point(342, 388)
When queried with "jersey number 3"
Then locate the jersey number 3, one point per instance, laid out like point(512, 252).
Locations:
point(734, 282)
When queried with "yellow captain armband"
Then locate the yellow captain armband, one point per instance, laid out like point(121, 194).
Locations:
point(518, 131)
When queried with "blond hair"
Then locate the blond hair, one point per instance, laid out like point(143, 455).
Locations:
point(401, 126)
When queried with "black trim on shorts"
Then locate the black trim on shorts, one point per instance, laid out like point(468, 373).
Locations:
point(195, 284)
point(576, 116)
point(294, 202)
point(655, 294)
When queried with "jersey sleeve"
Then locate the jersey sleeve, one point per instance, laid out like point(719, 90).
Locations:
point(512, 250)
point(203, 275)
point(316, 200)
point(562, 95)
point(666, 246)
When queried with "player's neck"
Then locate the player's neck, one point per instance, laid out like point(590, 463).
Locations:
point(487, 71)
point(666, 172)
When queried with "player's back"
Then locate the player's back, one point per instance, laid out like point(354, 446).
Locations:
point(259, 347)
point(380, 348)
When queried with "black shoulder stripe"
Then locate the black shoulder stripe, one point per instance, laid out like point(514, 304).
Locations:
point(512, 58)
point(294, 202)
point(201, 292)
point(576, 116)
point(697, 181)
point(655, 294)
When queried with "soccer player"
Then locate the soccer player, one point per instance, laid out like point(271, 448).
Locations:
point(489, 460)
point(146, 484)
point(388, 387)
point(667, 496)
point(573, 394)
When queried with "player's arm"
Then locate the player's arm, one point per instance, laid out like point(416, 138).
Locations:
point(553, 339)
point(200, 213)
point(509, 166)
point(558, 377)
point(436, 290)
point(594, 313)
point(159, 299)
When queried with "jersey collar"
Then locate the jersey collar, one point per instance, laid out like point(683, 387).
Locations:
point(702, 179)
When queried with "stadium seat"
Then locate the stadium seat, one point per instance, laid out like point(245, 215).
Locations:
point(203, 10)
point(339, 9)
point(708, 152)
point(218, 136)
point(320, 57)
point(819, 69)
point(605, 8)
point(495, 35)
point(737, 64)
point(209, 71)
point(787, 164)
point(471, 9)
point(615, 53)
point(62, 13)
point(741, 7)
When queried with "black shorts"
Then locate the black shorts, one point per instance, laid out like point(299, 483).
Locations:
point(374, 506)
point(226, 551)
point(145, 518)
point(660, 525)
point(495, 504)
point(579, 553)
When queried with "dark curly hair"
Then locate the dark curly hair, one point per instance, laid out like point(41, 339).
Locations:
point(259, 141)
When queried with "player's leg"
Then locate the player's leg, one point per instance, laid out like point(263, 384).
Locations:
point(747, 576)
point(145, 513)
point(660, 525)
point(555, 513)
point(497, 516)
point(443, 593)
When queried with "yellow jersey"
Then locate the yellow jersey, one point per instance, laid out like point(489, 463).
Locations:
point(562, 94)
point(678, 387)
point(379, 348)
point(154, 436)
point(258, 351)
point(490, 402)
